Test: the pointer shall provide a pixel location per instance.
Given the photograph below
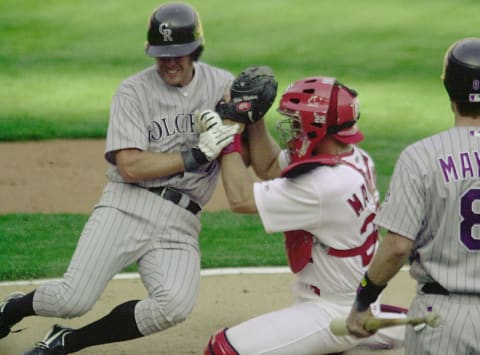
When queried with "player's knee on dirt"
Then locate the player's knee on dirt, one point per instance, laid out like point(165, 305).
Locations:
point(219, 345)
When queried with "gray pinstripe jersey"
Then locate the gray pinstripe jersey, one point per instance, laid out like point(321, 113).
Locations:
point(434, 199)
point(150, 115)
point(130, 224)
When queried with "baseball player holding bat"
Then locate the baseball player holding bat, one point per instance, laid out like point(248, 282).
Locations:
point(163, 171)
point(432, 215)
point(322, 195)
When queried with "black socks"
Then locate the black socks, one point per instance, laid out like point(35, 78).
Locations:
point(18, 308)
point(118, 325)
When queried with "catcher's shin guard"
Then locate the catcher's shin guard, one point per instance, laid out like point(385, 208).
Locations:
point(219, 345)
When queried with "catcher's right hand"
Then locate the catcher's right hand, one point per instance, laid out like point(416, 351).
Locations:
point(252, 94)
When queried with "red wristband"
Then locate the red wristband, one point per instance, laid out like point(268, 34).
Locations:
point(233, 147)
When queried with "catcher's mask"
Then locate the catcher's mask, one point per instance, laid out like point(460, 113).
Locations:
point(175, 30)
point(461, 75)
point(315, 107)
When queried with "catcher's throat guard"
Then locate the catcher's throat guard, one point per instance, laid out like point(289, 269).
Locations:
point(300, 167)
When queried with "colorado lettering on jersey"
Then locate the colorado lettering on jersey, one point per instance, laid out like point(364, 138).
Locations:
point(467, 166)
point(158, 129)
point(357, 203)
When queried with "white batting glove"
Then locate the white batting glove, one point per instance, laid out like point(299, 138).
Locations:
point(206, 120)
point(213, 141)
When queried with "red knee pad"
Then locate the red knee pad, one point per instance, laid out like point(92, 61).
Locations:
point(219, 345)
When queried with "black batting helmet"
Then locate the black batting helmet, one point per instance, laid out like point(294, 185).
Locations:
point(461, 75)
point(174, 30)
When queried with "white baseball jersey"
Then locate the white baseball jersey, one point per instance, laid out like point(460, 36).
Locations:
point(434, 200)
point(130, 224)
point(336, 204)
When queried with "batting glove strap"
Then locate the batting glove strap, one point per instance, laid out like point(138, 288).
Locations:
point(235, 146)
point(367, 293)
point(193, 159)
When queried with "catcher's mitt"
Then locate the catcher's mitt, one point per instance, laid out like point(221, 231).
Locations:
point(252, 94)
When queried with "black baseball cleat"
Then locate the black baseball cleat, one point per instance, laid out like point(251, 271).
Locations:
point(53, 344)
point(5, 327)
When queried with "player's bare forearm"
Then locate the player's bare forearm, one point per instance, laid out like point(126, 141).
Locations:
point(264, 151)
point(390, 258)
point(136, 165)
point(238, 184)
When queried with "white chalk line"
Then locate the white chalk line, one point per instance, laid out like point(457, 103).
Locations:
point(204, 272)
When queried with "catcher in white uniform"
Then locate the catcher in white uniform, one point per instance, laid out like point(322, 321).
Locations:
point(324, 201)
point(163, 171)
point(432, 214)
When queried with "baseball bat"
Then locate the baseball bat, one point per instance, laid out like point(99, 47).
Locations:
point(338, 325)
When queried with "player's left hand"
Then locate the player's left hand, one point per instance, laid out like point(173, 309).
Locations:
point(213, 141)
point(206, 120)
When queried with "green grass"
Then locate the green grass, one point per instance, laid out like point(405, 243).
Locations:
point(62, 60)
point(40, 245)
point(229, 240)
point(37, 245)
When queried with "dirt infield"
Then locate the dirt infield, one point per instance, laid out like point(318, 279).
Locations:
point(68, 176)
point(59, 176)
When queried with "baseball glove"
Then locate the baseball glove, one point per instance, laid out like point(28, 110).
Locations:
point(251, 95)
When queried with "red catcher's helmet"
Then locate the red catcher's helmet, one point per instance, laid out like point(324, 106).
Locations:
point(316, 107)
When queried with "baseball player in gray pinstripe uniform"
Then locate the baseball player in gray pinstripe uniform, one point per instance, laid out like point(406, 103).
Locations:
point(432, 214)
point(162, 172)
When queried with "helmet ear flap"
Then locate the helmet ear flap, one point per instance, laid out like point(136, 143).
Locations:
point(332, 113)
point(346, 113)
point(197, 53)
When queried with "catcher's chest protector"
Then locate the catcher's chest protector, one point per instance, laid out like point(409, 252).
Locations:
point(298, 245)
